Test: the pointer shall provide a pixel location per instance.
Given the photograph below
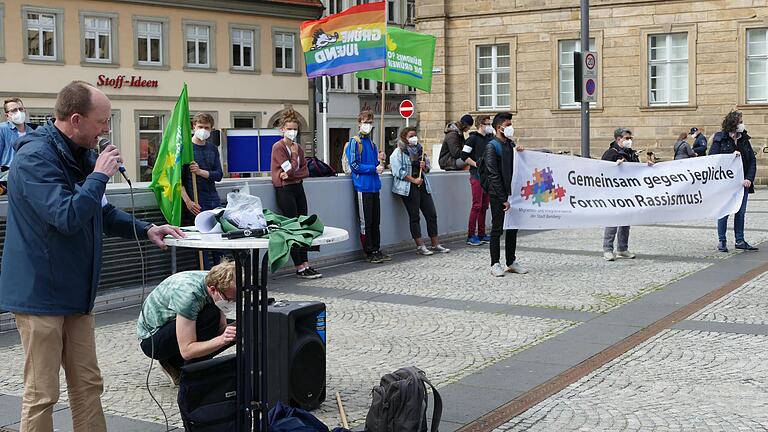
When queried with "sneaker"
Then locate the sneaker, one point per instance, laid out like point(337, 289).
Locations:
point(474, 241)
point(375, 258)
point(422, 250)
point(172, 372)
point(496, 270)
point(314, 272)
point(721, 246)
point(516, 268)
point(384, 257)
point(625, 255)
point(745, 246)
point(440, 248)
point(485, 239)
point(306, 274)
point(609, 256)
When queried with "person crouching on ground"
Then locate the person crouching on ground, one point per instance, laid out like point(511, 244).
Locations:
point(410, 166)
point(289, 169)
point(499, 169)
point(620, 151)
point(184, 319)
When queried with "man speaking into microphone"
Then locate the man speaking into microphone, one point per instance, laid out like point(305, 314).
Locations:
point(57, 214)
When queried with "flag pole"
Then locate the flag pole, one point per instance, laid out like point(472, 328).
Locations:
point(383, 145)
point(194, 197)
point(326, 150)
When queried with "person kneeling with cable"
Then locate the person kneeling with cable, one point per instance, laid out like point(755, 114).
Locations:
point(184, 319)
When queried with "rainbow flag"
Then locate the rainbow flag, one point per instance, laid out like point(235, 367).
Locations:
point(349, 41)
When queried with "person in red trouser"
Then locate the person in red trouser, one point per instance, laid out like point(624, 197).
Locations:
point(473, 151)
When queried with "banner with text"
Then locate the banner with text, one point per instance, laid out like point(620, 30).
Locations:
point(554, 191)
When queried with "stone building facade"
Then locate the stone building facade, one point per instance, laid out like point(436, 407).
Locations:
point(664, 67)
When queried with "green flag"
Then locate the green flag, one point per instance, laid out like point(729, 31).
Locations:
point(410, 57)
point(175, 151)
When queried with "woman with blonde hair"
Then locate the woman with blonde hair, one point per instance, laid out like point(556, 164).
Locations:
point(288, 170)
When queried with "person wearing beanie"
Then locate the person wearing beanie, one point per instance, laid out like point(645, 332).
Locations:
point(450, 153)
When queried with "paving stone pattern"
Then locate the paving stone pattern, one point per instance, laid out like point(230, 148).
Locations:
point(748, 304)
point(366, 340)
point(677, 381)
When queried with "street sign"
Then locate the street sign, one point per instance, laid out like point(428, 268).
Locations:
point(406, 109)
point(588, 67)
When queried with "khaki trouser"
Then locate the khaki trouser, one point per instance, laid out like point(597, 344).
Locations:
point(49, 343)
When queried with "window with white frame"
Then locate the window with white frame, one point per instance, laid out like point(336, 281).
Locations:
point(150, 137)
point(41, 36)
point(389, 86)
point(98, 39)
point(284, 55)
point(757, 65)
point(410, 11)
point(242, 49)
point(150, 42)
point(411, 89)
point(360, 2)
point(198, 43)
point(335, 6)
point(336, 82)
point(364, 84)
point(668, 69)
point(566, 48)
point(493, 76)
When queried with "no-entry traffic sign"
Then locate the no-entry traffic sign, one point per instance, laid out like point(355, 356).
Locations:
point(406, 109)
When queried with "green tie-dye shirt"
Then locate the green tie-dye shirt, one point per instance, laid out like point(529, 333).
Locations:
point(182, 294)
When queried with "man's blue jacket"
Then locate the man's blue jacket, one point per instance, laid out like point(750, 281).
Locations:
point(56, 220)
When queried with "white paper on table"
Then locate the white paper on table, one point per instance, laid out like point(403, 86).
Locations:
point(206, 222)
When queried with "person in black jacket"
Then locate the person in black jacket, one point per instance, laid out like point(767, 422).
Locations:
point(499, 185)
point(734, 139)
point(620, 151)
point(472, 153)
point(699, 143)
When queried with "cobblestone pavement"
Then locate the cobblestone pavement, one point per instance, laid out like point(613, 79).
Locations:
point(677, 381)
point(680, 380)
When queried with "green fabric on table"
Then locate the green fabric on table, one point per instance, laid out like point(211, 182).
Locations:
point(286, 232)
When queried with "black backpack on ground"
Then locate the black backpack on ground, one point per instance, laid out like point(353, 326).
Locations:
point(318, 168)
point(400, 403)
point(207, 395)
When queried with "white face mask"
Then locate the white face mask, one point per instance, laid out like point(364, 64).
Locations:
point(628, 143)
point(202, 134)
point(19, 117)
point(488, 129)
point(509, 132)
point(225, 306)
point(290, 134)
point(366, 128)
point(413, 140)
point(741, 128)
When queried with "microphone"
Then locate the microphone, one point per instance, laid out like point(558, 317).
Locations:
point(103, 143)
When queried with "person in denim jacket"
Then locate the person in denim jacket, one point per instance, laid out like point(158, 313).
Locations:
point(409, 167)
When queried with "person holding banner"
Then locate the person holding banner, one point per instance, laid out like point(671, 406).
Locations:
point(733, 138)
point(366, 163)
point(288, 170)
point(472, 153)
point(498, 159)
point(620, 151)
point(410, 166)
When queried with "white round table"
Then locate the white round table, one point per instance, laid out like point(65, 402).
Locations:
point(252, 303)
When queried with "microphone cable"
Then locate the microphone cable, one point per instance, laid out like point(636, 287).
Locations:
point(143, 298)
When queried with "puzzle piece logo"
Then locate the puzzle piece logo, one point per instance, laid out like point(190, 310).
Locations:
point(543, 188)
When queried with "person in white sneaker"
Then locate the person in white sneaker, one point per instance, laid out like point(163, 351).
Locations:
point(410, 165)
point(498, 158)
point(620, 151)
